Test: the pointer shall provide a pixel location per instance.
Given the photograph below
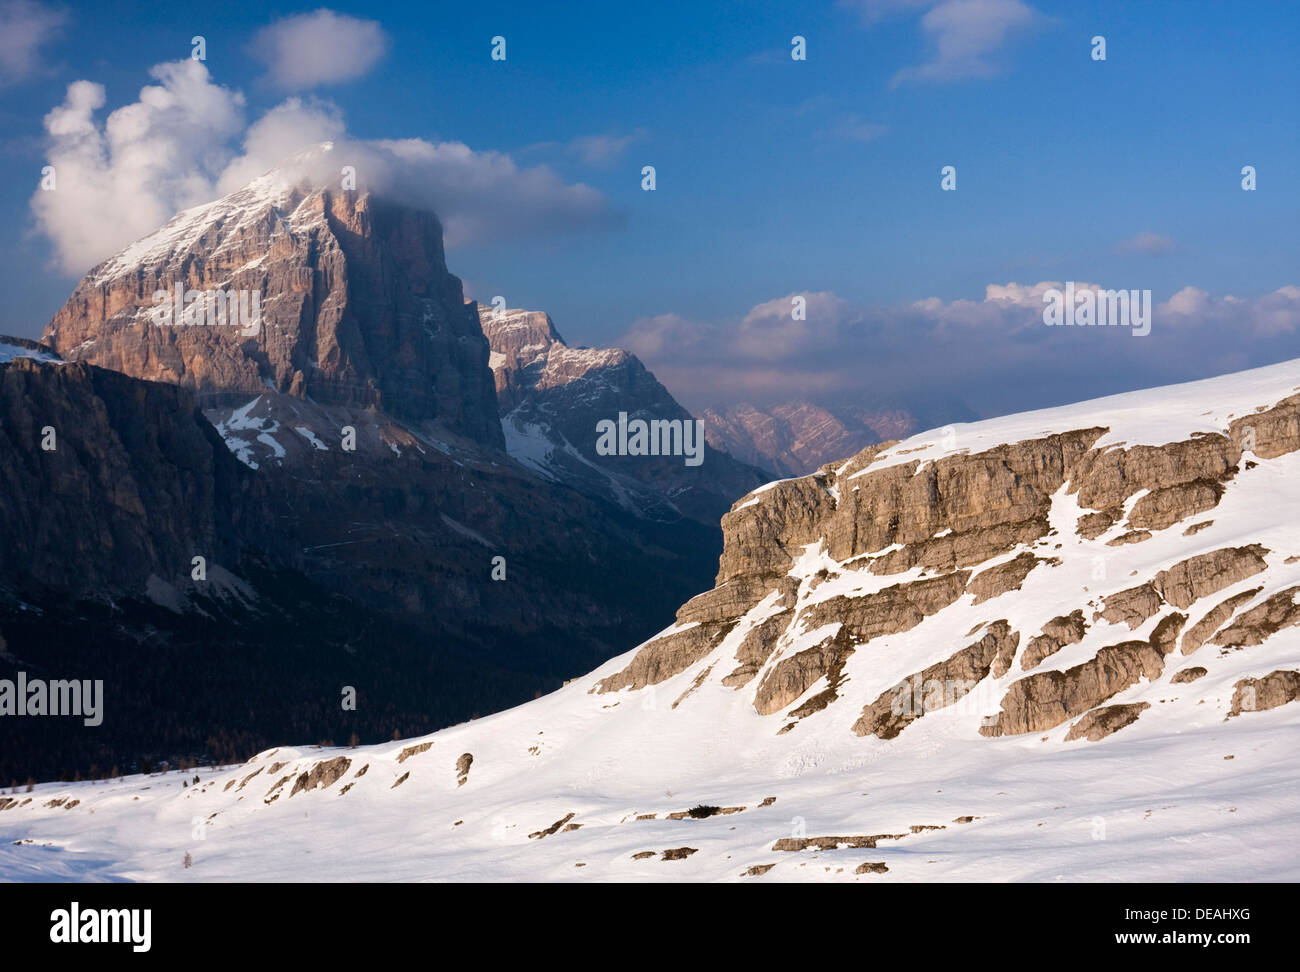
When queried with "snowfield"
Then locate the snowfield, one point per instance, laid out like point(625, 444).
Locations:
point(587, 785)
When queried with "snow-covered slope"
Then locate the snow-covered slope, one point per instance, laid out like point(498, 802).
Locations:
point(14, 347)
point(1101, 601)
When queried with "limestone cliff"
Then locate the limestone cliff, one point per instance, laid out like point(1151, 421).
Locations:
point(1077, 543)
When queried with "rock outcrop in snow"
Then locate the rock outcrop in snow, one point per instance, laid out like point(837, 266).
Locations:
point(819, 570)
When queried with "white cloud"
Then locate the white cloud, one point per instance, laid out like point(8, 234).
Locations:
point(603, 149)
point(874, 10)
point(479, 196)
point(1152, 244)
point(1273, 315)
point(184, 142)
point(965, 36)
point(771, 332)
point(854, 128)
point(995, 352)
point(1025, 295)
point(322, 47)
point(652, 337)
point(284, 130)
point(24, 27)
point(595, 150)
point(149, 159)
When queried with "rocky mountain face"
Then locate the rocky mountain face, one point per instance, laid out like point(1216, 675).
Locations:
point(356, 307)
point(1064, 644)
point(795, 438)
point(792, 439)
point(102, 498)
point(552, 397)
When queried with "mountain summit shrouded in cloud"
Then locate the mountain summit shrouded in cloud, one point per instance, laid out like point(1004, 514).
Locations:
point(184, 143)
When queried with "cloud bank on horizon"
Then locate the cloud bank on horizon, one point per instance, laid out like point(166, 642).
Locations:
point(997, 354)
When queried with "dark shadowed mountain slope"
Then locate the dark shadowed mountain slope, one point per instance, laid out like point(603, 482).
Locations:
point(365, 568)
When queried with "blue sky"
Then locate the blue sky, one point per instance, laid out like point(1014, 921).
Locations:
point(778, 177)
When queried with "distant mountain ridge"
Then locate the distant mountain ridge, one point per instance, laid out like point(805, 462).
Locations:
point(795, 438)
point(552, 397)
